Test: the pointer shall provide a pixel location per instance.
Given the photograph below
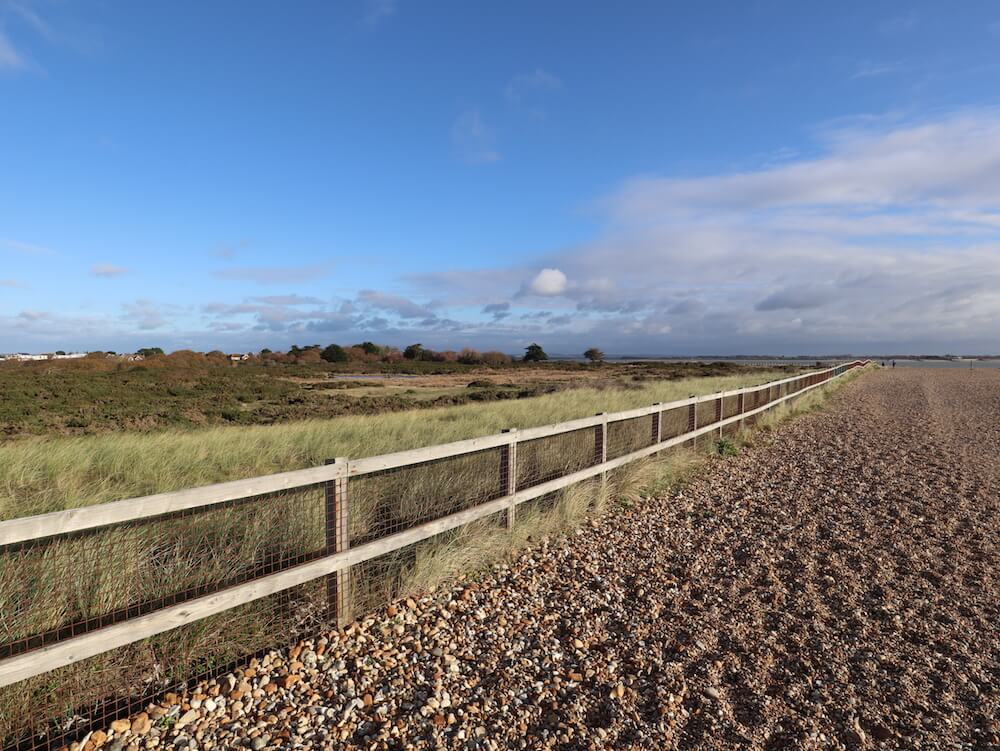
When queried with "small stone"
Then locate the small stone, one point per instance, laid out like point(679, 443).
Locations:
point(856, 737)
point(881, 732)
point(258, 743)
point(98, 737)
point(141, 724)
point(120, 726)
point(289, 680)
point(710, 693)
point(190, 716)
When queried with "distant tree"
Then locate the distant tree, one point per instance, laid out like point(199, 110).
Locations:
point(149, 351)
point(594, 354)
point(370, 347)
point(414, 352)
point(334, 353)
point(265, 352)
point(534, 353)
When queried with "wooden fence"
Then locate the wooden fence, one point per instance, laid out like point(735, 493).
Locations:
point(26, 655)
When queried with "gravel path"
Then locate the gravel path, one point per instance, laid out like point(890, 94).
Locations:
point(832, 589)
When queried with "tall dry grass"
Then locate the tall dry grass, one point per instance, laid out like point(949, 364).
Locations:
point(41, 475)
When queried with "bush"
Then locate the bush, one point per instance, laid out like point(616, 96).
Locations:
point(469, 356)
point(496, 359)
point(726, 447)
point(334, 353)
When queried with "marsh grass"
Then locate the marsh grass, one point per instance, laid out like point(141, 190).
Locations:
point(47, 474)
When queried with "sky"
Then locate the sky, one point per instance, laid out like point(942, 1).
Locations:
point(645, 177)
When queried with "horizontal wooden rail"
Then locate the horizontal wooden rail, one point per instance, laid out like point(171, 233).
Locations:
point(77, 648)
point(104, 514)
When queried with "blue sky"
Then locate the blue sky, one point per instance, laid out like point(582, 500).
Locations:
point(768, 177)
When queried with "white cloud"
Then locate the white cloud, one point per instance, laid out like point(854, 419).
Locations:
point(473, 139)
point(30, 249)
point(401, 306)
point(108, 270)
point(13, 283)
point(548, 283)
point(378, 11)
point(10, 58)
point(538, 80)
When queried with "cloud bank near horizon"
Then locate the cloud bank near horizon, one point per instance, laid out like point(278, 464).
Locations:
point(888, 239)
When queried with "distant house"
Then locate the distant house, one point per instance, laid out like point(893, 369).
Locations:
point(238, 358)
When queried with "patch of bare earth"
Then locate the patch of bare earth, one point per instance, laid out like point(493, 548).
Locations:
point(833, 587)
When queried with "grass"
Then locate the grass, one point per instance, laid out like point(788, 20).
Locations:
point(38, 475)
point(88, 397)
point(44, 588)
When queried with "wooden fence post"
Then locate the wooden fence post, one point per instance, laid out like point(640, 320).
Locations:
point(601, 443)
point(656, 426)
point(508, 473)
point(718, 412)
point(338, 584)
point(742, 406)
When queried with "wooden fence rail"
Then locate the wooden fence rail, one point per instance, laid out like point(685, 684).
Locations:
point(338, 555)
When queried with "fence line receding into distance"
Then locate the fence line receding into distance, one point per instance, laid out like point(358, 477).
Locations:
point(189, 554)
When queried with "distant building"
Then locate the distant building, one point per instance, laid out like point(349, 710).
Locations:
point(238, 358)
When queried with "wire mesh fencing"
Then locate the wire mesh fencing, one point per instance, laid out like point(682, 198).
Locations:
point(63, 586)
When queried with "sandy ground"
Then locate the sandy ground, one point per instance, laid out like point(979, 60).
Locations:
point(832, 587)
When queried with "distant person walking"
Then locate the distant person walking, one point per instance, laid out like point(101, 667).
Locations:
point(894, 363)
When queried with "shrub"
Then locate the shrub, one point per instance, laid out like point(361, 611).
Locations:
point(334, 353)
point(469, 356)
point(495, 359)
point(726, 447)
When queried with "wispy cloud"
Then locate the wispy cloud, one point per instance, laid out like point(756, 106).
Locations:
point(108, 270)
point(287, 300)
point(30, 249)
point(144, 314)
point(377, 11)
point(11, 283)
point(538, 80)
point(401, 306)
point(901, 24)
point(871, 69)
point(473, 139)
point(10, 58)
point(274, 274)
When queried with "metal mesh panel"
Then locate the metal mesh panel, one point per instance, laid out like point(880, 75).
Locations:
point(626, 436)
point(378, 581)
point(67, 585)
point(383, 503)
point(706, 413)
point(52, 710)
point(544, 459)
point(731, 406)
point(674, 422)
